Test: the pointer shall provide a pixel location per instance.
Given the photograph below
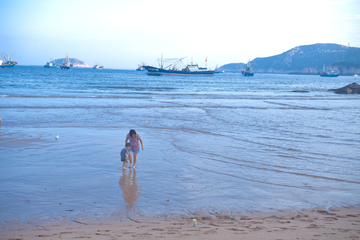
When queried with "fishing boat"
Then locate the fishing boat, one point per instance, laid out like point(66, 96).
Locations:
point(7, 62)
point(66, 65)
point(217, 71)
point(97, 66)
point(329, 73)
point(247, 72)
point(177, 68)
point(50, 64)
point(141, 67)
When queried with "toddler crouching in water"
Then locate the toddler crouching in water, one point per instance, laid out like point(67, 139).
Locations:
point(125, 156)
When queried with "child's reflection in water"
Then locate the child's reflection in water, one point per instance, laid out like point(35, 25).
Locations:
point(131, 190)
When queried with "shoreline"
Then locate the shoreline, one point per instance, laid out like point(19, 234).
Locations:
point(112, 207)
point(317, 223)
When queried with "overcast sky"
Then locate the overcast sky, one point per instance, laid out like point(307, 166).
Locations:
point(122, 33)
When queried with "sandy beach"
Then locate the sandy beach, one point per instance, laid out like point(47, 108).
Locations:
point(315, 223)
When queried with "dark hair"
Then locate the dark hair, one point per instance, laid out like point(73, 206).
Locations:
point(132, 131)
point(128, 145)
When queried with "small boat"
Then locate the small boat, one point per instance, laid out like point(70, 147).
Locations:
point(177, 68)
point(247, 72)
point(356, 75)
point(8, 63)
point(329, 73)
point(66, 65)
point(141, 67)
point(217, 71)
point(50, 65)
point(97, 66)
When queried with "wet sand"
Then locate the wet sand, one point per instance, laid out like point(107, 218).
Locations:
point(315, 223)
point(66, 195)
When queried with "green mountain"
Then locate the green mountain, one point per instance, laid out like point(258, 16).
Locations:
point(307, 59)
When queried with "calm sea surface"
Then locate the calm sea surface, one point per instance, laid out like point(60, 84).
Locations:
point(221, 143)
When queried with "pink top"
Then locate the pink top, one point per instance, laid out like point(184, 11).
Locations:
point(135, 145)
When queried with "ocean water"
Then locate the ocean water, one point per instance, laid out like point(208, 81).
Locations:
point(211, 144)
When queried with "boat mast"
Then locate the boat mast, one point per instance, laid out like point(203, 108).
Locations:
point(161, 61)
point(4, 56)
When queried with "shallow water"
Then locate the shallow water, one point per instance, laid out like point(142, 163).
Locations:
point(222, 143)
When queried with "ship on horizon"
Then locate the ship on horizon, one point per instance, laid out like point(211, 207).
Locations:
point(50, 64)
point(7, 62)
point(97, 66)
point(66, 65)
point(177, 68)
point(141, 67)
point(329, 73)
point(217, 70)
point(247, 72)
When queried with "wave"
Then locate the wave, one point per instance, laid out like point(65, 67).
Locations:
point(262, 167)
point(76, 97)
point(139, 94)
point(142, 88)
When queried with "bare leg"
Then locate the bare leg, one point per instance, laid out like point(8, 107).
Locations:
point(135, 159)
point(130, 158)
point(125, 164)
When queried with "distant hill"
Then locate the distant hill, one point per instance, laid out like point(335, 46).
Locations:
point(74, 61)
point(233, 67)
point(307, 59)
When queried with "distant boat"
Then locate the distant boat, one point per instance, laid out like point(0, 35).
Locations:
point(247, 72)
point(98, 66)
point(141, 67)
point(356, 75)
point(329, 73)
point(50, 65)
point(217, 70)
point(173, 68)
point(9, 63)
point(66, 65)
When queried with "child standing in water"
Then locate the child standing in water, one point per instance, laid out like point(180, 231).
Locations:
point(134, 139)
point(125, 155)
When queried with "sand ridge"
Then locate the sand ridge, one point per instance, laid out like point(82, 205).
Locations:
point(315, 223)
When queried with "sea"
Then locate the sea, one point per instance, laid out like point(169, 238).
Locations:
point(219, 144)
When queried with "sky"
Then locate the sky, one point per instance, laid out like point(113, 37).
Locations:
point(120, 34)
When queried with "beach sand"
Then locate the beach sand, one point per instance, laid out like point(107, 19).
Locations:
point(315, 223)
